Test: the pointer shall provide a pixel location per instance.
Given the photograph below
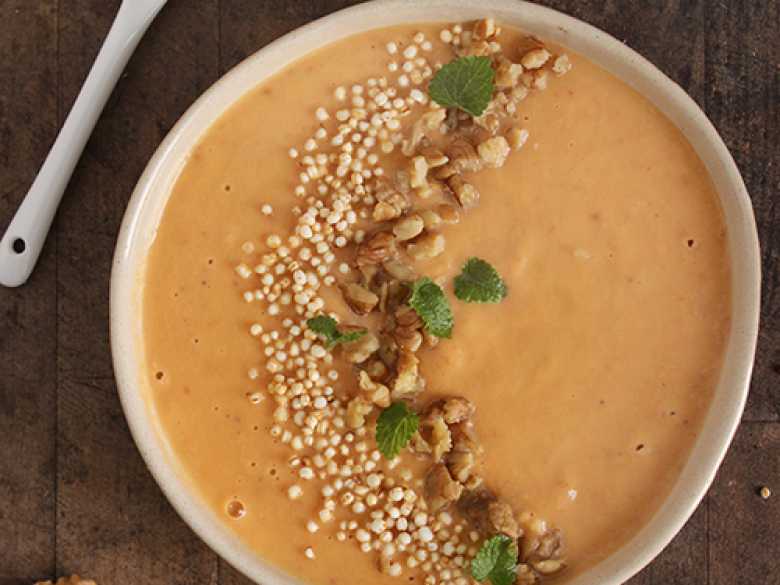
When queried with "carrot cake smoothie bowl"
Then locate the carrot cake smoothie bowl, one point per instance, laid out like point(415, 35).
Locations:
point(444, 303)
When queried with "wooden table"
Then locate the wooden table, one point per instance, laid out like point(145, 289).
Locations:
point(74, 493)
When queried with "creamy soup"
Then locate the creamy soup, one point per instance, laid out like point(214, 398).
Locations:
point(590, 380)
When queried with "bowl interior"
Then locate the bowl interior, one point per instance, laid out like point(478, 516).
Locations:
point(149, 199)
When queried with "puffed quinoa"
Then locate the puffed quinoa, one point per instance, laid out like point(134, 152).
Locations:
point(363, 230)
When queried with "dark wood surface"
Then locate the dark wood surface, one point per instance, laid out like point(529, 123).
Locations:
point(74, 493)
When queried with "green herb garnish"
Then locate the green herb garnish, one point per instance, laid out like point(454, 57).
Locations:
point(431, 304)
point(465, 83)
point(496, 560)
point(479, 282)
point(394, 428)
point(328, 329)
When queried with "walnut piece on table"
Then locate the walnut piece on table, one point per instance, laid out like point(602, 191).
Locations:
point(72, 580)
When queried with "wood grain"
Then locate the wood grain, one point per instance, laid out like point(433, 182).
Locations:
point(83, 499)
point(670, 33)
point(248, 25)
point(743, 526)
point(743, 101)
point(28, 376)
point(684, 561)
point(113, 523)
point(230, 576)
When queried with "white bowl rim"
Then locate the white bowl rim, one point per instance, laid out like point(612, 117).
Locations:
point(139, 223)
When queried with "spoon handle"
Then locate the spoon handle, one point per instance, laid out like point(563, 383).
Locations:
point(23, 240)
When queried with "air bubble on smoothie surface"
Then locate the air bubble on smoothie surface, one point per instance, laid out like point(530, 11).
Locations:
point(235, 509)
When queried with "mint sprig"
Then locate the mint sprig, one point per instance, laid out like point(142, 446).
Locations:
point(465, 83)
point(431, 304)
point(496, 561)
point(479, 282)
point(328, 329)
point(394, 429)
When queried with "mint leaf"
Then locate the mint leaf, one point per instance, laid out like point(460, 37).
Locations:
point(465, 83)
point(496, 560)
point(478, 282)
point(431, 304)
point(350, 336)
point(328, 328)
point(394, 428)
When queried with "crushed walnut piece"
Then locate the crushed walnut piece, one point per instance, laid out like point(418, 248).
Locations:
point(367, 232)
point(494, 151)
point(408, 328)
point(359, 298)
point(427, 246)
point(377, 393)
point(465, 193)
point(440, 488)
point(377, 249)
point(463, 156)
point(408, 227)
point(407, 381)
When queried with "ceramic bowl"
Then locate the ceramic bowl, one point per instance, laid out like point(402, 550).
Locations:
point(150, 196)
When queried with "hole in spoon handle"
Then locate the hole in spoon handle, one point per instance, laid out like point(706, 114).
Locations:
point(17, 257)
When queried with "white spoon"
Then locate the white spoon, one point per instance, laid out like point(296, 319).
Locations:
point(21, 245)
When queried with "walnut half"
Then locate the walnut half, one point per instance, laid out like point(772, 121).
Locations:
point(377, 249)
